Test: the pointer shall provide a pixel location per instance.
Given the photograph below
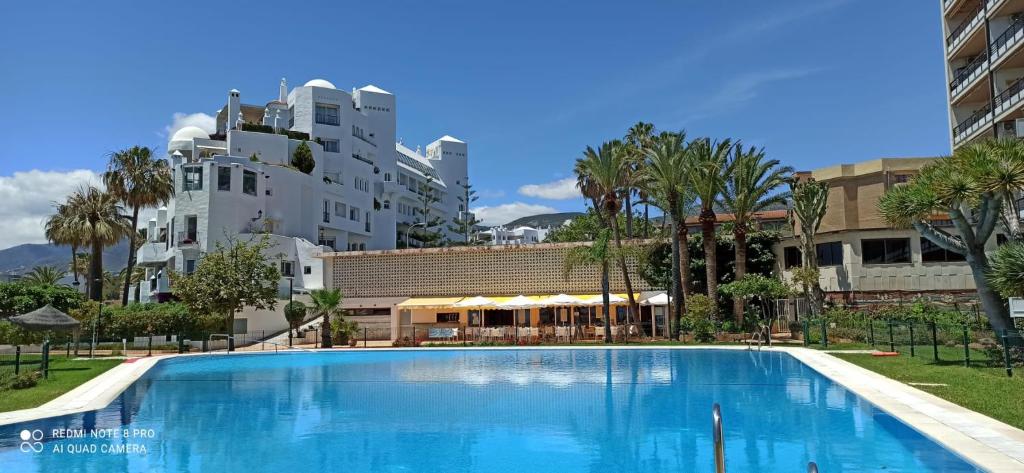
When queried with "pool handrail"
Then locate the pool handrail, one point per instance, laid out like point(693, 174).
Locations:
point(716, 417)
point(812, 467)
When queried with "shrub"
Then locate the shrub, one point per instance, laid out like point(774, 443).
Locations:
point(295, 135)
point(343, 330)
point(294, 313)
point(9, 380)
point(699, 318)
point(403, 342)
point(257, 128)
point(302, 158)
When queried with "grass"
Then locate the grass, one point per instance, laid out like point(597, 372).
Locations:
point(982, 388)
point(65, 375)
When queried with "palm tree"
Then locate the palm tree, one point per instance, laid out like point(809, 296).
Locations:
point(663, 177)
point(603, 173)
point(596, 254)
point(710, 161)
point(748, 189)
point(327, 304)
point(100, 218)
point(638, 139)
point(44, 276)
point(810, 201)
point(60, 229)
point(138, 181)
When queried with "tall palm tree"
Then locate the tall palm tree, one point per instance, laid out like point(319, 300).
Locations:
point(710, 162)
point(748, 189)
point(60, 229)
point(327, 304)
point(139, 181)
point(810, 201)
point(44, 276)
point(597, 253)
point(100, 218)
point(663, 177)
point(637, 139)
point(604, 174)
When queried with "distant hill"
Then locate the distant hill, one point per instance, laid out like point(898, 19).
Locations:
point(543, 220)
point(22, 258)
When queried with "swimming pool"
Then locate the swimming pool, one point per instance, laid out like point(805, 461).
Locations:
point(534, 411)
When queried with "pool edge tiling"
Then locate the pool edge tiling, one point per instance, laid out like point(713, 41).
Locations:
point(985, 442)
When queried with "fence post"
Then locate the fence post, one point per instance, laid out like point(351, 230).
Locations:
point(68, 354)
point(181, 345)
point(824, 333)
point(807, 332)
point(935, 342)
point(967, 348)
point(17, 360)
point(871, 331)
point(365, 345)
point(150, 345)
point(911, 338)
point(46, 360)
point(1006, 353)
point(413, 335)
point(263, 339)
point(892, 342)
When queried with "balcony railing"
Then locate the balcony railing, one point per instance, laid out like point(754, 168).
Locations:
point(972, 19)
point(966, 73)
point(188, 238)
point(1009, 96)
point(1007, 36)
point(965, 125)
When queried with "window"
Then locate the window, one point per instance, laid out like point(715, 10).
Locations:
point(327, 211)
point(387, 177)
point(331, 146)
point(340, 209)
point(885, 251)
point(307, 270)
point(190, 266)
point(932, 253)
point(291, 116)
point(327, 114)
point(901, 178)
point(192, 180)
point(286, 269)
point(223, 178)
point(830, 254)
point(353, 214)
point(367, 225)
point(249, 182)
point(447, 317)
point(791, 257)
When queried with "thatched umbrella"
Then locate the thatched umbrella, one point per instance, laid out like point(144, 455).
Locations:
point(46, 318)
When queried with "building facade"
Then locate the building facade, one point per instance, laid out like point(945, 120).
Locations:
point(364, 191)
point(984, 68)
point(860, 257)
point(501, 235)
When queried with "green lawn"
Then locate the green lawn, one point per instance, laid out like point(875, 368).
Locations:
point(985, 389)
point(65, 375)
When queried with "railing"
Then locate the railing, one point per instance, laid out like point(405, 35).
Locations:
point(716, 430)
point(1008, 94)
point(360, 158)
point(971, 121)
point(969, 69)
point(187, 238)
point(1006, 36)
point(971, 17)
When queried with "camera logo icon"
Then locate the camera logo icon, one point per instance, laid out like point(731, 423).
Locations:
point(31, 441)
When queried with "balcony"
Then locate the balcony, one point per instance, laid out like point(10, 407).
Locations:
point(1009, 98)
point(968, 127)
point(1007, 41)
point(966, 76)
point(188, 239)
point(966, 29)
point(152, 254)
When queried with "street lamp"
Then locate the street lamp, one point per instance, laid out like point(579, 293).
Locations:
point(410, 227)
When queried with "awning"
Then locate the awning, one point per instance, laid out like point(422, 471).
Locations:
point(656, 299)
point(46, 318)
point(430, 302)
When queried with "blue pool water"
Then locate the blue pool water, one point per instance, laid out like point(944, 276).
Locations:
point(522, 411)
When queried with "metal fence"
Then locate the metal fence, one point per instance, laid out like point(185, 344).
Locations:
point(23, 359)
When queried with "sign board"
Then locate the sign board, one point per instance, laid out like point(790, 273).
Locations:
point(1017, 307)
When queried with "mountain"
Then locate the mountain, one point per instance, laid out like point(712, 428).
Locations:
point(543, 220)
point(22, 258)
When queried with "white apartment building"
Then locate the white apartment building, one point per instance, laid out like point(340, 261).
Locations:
point(984, 67)
point(364, 192)
point(501, 235)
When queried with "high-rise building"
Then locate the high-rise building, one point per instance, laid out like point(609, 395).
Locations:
point(365, 190)
point(984, 68)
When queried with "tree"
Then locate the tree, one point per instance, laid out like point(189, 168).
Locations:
point(1006, 274)
point(62, 229)
point(962, 187)
point(748, 189)
point(44, 276)
point(426, 218)
point(708, 168)
point(757, 288)
point(139, 181)
point(810, 201)
point(465, 222)
point(302, 158)
point(597, 254)
point(637, 140)
point(1004, 176)
point(602, 174)
point(233, 276)
point(295, 314)
point(663, 177)
point(326, 304)
point(100, 218)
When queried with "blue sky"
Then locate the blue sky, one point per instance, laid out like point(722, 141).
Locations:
point(527, 84)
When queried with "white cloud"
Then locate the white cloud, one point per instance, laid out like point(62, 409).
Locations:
point(504, 213)
point(28, 199)
point(739, 90)
point(180, 120)
point(561, 189)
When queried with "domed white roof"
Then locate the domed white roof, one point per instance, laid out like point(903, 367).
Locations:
point(319, 83)
point(189, 132)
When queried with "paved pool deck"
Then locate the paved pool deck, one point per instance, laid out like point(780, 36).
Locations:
point(986, 442)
